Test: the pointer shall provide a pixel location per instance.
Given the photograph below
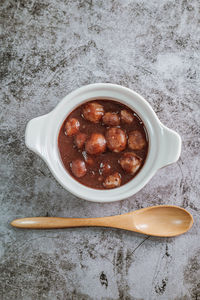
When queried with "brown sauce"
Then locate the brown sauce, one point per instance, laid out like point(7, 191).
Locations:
point(92, 176)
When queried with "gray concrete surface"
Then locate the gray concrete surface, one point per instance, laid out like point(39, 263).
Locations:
point(49, 49)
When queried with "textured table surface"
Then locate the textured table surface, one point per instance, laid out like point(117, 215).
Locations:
point(49, 49)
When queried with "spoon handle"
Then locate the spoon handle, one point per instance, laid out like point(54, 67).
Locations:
point(53, 222)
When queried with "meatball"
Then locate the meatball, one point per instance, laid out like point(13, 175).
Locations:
point(88, 159)
point(80, 139)
point(111, 119)
point(130, 162)
point(93, 112)
point(116, 139)
point(72, 127)
point(112, 181)
point(136, 140)
point(126, 116)
point(100, 178)
point(96, 144)
point(104, 168)
point(78, 168)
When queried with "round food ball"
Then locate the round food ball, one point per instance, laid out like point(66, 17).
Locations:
point(104, 168)
point(126, 116)
point(78, 168)
point(80, 139)
point(96, 144)
point(116, 139)
point(93, 112)
point(111, 119)
point(72, 127)
point(130, 162)
point(100, 178)
point(112, 181)
point(136, 140)
point(88, 159)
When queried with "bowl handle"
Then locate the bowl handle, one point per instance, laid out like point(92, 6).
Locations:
point(170, 147)
point(35, 135)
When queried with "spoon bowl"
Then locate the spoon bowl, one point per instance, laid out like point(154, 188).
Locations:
point(163, 221)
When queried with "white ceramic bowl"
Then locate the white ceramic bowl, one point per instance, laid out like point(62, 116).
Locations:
point(42, 137)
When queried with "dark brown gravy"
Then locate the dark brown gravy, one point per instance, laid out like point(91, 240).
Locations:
point(69, 152)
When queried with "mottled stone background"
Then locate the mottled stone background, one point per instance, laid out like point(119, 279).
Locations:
point(50, 48)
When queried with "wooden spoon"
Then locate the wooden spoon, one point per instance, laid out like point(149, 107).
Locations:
point(163, 220)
